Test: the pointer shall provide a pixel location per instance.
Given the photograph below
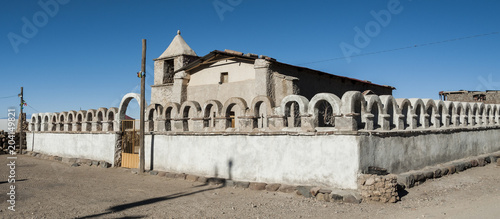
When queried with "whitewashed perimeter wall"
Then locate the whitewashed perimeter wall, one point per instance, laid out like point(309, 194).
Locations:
point(74, 145)
point(329, 160)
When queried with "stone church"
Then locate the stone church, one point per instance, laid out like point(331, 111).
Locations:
point(180, 75)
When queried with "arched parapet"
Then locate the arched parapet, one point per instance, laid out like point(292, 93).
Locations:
point(54, 124)
point(480, 114)
point(374, 118)
point(153, 115)
point(111, 123)
point(80, 120)
point(211, 111)
point(466, 117)
point(45, 121)
point(190, 117)
point(352, 107)
point(432, 118)
point(34, 123)
point(392, 109)
point(61, 121)
point(405, 108)
point(472, 114)
point(324, 108)
point(171, 112)
point(487, 114)
point(70, 121)
point(494, 115)
point(124, 104)
point(294, 109)
point(234, 118)
point(443, 117)
point(455, 110)
point(418, 113)
point(89, 119)
point(99, 119)
point(262, 111)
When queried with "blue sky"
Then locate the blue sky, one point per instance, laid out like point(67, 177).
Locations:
point(85, 54)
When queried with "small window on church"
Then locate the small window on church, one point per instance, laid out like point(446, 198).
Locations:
point(224, 76)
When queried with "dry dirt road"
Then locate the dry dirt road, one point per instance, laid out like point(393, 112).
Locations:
point(51, 189)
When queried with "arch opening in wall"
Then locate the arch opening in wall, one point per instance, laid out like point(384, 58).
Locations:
point(168, 119)
point(487, 120)
point(150, 119)
point(209, 116)
point(419, 116)
point(232, 114)
point(430, 115)
point(260, 119)
point(70, 122)
point(61, 122)
point(54, 123)
point(89, 122)
point(406, 112)
point(454, 121)
point(375, 111)
point(391, 113)
point(325, 114)
point(186, 123)
point(111, 119)
point(100, 118)
point(292, 114)
point(39, 123)
point(79, 120)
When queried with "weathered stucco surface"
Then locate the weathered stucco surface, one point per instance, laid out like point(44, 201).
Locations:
point(301, 160)
point(399, 152)
point(74, 145)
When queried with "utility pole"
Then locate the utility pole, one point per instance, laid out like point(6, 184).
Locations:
point(143, 103)
point(21, 118)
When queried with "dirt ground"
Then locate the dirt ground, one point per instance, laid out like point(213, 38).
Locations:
point(51, 189)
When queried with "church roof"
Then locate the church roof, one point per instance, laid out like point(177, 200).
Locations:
point(177, 47)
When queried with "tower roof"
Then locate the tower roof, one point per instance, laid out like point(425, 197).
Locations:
point(177, 47)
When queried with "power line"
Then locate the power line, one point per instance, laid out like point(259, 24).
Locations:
point(401, 48)
point(8, 97)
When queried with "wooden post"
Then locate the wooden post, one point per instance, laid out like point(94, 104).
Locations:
point(142, 104)
point(21, 118)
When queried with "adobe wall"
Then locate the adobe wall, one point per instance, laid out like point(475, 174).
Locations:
point(330, 160)
point(94, 146)
point(402, 152)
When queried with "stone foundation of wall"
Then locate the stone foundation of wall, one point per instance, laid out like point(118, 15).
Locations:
point(379, 188)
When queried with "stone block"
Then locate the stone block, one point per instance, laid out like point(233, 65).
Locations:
point(351, 199)
point(95, 163)
point(429, 174)
point(323, 197)
point(239, 184)
point(180, 176)
point(444, 171)
point(68, 160)
point(161, 173)
point(191, 178)
point(202, 179)
point(216, 181)
point(459, 166)
point(452, 169)
point(58, 158)
point(170, 175)
point(257, 186)
point(273, 187)
point(493, 159)
point(314, 191)
point(153, 172)
point(104, 164)
point(305, 191)
point(229, 183)
point(481, 162)
point(487, 159)
point(406, 179)
point(287, 189)
point(474, 163)
point(336, 197)
point(437, 173)
point(75, 165)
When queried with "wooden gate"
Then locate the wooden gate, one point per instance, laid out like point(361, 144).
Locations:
point(130, 144)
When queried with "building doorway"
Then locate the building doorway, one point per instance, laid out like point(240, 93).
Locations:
point(130, 144)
